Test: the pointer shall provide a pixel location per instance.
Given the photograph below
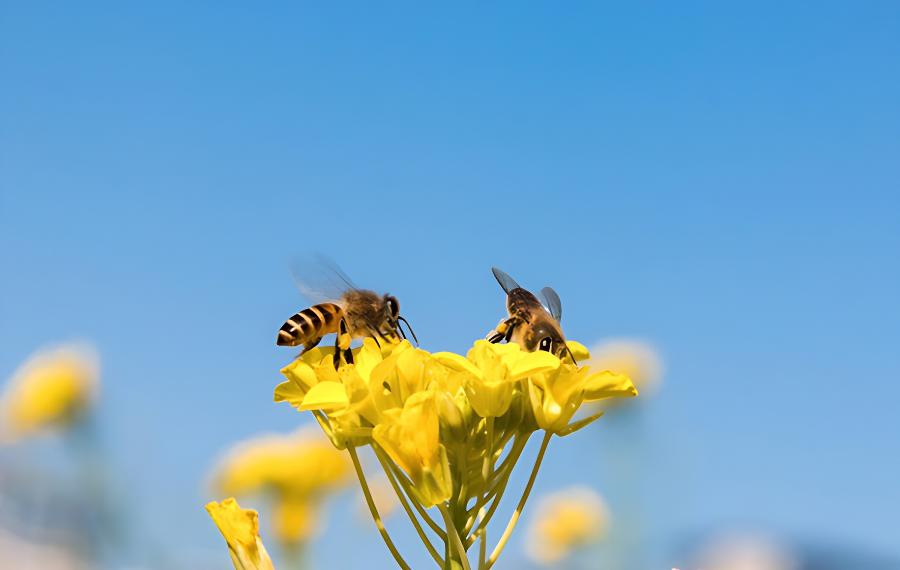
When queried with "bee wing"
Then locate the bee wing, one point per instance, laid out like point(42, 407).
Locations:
point(505, 281)
point(552, 302)
point(320, 279)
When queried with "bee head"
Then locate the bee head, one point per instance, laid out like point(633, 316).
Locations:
point(543, 335)
point(391, 308)
point(393, 318)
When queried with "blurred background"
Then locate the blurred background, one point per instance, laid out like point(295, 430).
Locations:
point(717, 183)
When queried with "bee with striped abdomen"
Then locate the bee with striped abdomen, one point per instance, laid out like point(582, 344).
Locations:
point(530, 324)
point(353, 313)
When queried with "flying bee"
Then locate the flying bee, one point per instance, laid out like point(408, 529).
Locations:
point(350, 313)
point(531, 325)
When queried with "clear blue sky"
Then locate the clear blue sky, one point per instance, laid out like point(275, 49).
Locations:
point(723, 181)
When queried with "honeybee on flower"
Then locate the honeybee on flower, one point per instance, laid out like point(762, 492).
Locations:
point(530, 324)
point(345, 310)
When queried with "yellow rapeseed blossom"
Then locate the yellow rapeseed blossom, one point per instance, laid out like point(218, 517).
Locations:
point(411, 438)
point(240, 527)
point(51, 390)
point(564, 521)
point(447, 429)
point(295, 471)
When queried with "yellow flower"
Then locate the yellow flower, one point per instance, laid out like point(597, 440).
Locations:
point(564, 521)
point(313, 384)
point(636, 359)
point(52, 389)
point(240, 527)
point(411, 438)
point(556, 395)
point(297, 471)
point(492, 372)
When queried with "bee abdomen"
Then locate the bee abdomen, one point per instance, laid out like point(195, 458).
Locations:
point(309, 324)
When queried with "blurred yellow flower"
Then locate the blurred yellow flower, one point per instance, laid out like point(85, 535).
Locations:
point(240, 527)
point(51, 390)
point(564, 521)
point(297, 471)
point(636, 359)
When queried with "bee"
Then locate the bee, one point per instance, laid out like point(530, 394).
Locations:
point(351, 313)
point(531, 325)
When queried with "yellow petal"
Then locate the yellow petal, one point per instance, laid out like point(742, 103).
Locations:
point(578, 350)
point(289, 392)
point(456, 362)
point(301, 373)
point(533, 362)
point(325, 396)
point(607, 384)
point(240, 527)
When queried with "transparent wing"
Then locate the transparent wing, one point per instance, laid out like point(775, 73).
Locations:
point(552, 302)
point(320, 279)
point(505, 281)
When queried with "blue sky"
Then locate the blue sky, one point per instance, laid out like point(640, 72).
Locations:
point(720, 180)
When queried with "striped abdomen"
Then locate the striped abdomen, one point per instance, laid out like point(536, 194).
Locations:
point(309, 325)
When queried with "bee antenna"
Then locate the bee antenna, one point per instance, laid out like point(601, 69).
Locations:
point(399, 330)
point(375, 334)
point(409, 327)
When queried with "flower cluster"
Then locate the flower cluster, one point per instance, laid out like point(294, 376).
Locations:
point(447, 429)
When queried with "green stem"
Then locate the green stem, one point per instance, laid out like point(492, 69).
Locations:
point(482, 548)
point(454, 536)
point(403, 501)
point(400, 477)
point(374, 510)
point(515, 453)
point(518, 512)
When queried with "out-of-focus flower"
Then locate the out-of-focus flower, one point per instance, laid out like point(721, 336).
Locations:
point(745, 551)
point(50, 391)
point(564, 521)
point(636, 359)
point(240, 527)
point(297, 471)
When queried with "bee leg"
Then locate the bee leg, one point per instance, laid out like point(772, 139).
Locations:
point(311, 343)
point(342, 345)
point(503, 331)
